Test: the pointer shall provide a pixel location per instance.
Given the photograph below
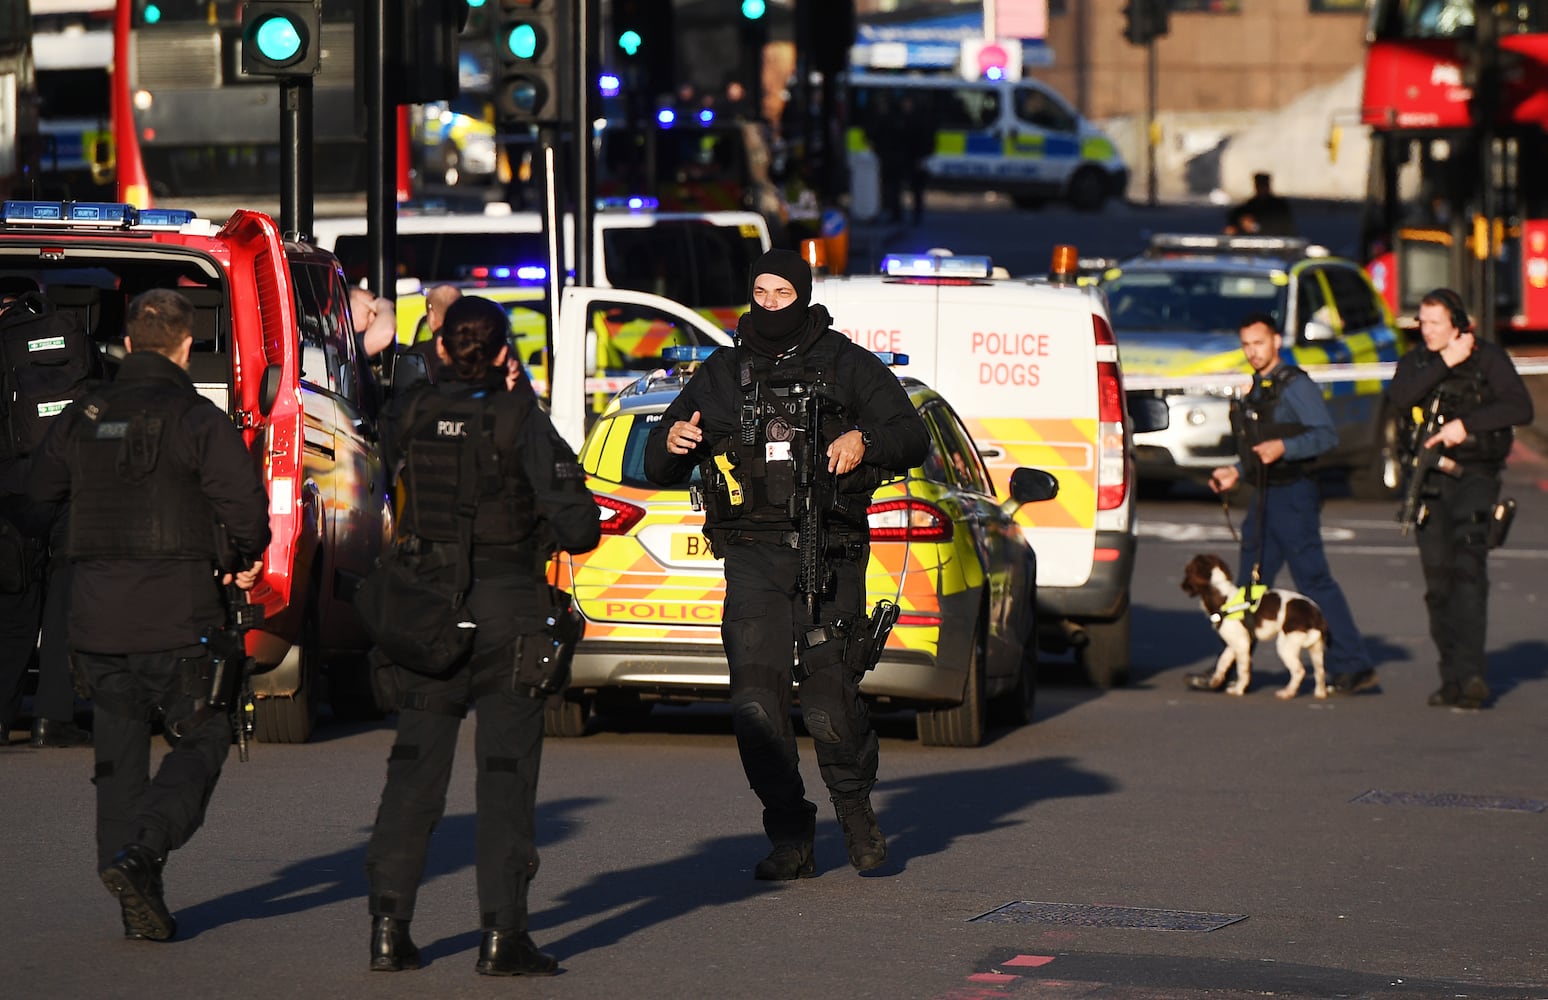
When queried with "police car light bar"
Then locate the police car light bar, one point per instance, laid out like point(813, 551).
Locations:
point(94, 215)
point(688, 352)
point(923, 265)
point(524, 273)
point(892, 359)
point(632, 203)
point(1217, 243)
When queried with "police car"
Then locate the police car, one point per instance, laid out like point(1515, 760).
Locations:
point(1019, 137)
point(1177, 309)
point(274, 347)
point(942, 547)
point(1031, 369)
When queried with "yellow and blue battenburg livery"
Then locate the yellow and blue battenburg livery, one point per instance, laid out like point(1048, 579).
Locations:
point(1177, 311)
point(1014, 136)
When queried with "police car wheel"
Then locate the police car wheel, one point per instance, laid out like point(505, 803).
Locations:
point(1088, 189)
point(1105, 656)
point(960, 725)
point(1382, 474)
point(1016, 706)
point(564, 717)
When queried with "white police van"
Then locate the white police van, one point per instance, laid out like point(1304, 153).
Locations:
point(1031, 367)
point(1019, 137)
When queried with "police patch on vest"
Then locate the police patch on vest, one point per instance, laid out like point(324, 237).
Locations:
point(112, 429)
point(451, 428)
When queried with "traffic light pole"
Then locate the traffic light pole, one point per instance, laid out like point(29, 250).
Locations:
point(1152, 140)
point(580, 114)
point(381, 156)
point(296, 144)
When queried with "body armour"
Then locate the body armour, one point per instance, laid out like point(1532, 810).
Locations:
point(440, 423)
point(1252, 420)
point(129, 498)
point(752, 481)
point(1463, 390)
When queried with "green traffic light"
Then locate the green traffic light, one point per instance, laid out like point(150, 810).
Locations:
point(277, 39)
point(522, 41)
point(476, 4)
point(152, 13)
point(754, 9)
point(630, 42)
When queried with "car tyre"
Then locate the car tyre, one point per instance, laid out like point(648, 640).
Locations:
point(1382, 476)
point(1105, 657)
point(565, 717)
point(1088, 190)
point(291, 719)
point(961, 725)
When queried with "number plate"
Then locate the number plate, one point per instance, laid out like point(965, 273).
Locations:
point(687, 547)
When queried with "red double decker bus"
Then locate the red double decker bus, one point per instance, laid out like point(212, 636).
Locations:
point(1456, 96)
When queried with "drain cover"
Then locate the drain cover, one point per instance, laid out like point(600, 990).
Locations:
point(1084, 915)
point(1377, 797)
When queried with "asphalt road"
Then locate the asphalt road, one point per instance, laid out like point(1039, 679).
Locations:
point(1147, 842)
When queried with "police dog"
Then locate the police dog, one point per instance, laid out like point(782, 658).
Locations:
point(1293, 620)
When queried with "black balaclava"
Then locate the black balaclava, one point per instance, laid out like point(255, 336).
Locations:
point(775, 332)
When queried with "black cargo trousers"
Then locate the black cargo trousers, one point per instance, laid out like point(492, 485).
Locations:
point(508, 747)
point(128, 692)
point(1454, 553)
point(762, 627)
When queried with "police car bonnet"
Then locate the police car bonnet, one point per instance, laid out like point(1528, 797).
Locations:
point(775, 331)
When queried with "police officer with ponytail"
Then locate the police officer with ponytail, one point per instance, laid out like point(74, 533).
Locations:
point(151, 468)
point(1480, 399)
point(468, 446)
point(730, 420)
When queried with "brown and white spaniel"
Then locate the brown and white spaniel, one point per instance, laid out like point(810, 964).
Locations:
point(1293, 620)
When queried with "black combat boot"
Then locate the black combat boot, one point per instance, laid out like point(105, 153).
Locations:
point(134, 876)
point(867, 846)
point(512, 953)
point(391, 948)
point(787, 861)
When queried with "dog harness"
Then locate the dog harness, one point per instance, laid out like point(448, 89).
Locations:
point(1243, 604)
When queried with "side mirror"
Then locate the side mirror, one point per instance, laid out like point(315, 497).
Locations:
point(1316, 331)
point(408, 370)
point(1148, 413)
point(269, 387)
point(1030, 486)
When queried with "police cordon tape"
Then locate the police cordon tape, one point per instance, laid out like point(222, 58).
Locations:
point(1235, 383)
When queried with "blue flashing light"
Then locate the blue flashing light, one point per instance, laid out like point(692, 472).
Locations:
point(754, 9)
point(500, 272)
point(707, 116)
point(892, 359)
point(532, 272)
point(995, 72)
point(688, 352)
point(609, 84)
point(165, 218)
point(633, 202)
point(666, 117)
point(923, 265)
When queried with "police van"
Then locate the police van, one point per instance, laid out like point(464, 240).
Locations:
point(1018, 137)
point(274, 347)
point(1031, 368)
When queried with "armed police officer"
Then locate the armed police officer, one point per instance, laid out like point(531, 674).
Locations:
point(152, 470)
point(488, 483)
point(1477, 398)
point(1281, 426)
point(739, 419)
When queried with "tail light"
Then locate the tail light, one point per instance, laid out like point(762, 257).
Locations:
point(283, 472)
point(1112, 455)
point(617, 516)
point(908, 520)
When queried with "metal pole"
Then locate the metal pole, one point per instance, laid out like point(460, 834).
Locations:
point(296, 155)
point(1152, 84)
point(382, 156)
point(555, 258)
point(581, 115)
point(991, 19)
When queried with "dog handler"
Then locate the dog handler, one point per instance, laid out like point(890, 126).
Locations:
point(1281, 426)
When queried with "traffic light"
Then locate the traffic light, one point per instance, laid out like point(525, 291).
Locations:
point(534, 61)
point(754, 9)
point(1144, 20)
point(281, 38)
point(643, 45)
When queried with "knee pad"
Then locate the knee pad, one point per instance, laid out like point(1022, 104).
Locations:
point(750, 718)
point(820, 724)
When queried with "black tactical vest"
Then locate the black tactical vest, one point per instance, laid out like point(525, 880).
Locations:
point(1463, 390)
point(1252, 419)
point(129, 499)
point(440, 423)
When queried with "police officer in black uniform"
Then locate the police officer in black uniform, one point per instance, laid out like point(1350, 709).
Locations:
point(530, 500)
point(728, 420)
point(151, 469)
point(1481, 398)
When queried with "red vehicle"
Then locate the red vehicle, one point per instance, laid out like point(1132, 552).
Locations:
point(1456, 96)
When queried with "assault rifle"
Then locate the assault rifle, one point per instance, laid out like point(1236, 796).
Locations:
point(1421, 461)
point(811, 499)
point(230, 669)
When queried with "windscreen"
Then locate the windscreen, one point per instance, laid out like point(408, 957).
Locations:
point(1193, 301)
point(437, 257)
